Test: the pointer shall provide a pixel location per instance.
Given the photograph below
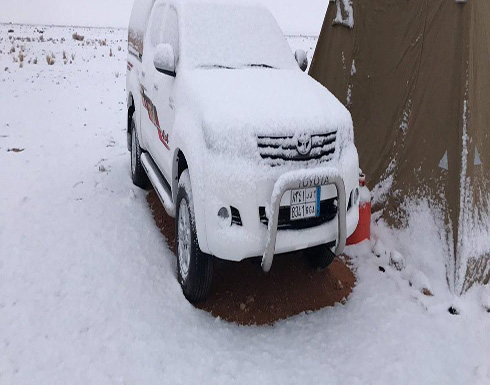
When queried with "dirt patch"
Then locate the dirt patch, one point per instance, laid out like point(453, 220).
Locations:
point(162, 220)
point(242, 293)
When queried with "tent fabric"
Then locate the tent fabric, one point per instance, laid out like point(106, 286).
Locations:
point(416, 77)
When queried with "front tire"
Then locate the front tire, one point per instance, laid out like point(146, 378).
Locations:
point(194, 268)
point(320, 257)
point(138, 173)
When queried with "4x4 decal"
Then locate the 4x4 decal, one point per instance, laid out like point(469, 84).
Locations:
point(153, 115)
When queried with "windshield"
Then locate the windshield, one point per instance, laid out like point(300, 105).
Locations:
point(233, 36)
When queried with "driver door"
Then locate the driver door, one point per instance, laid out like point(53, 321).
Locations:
point(159, 88)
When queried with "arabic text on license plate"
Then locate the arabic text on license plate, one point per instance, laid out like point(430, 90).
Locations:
point(305, 203)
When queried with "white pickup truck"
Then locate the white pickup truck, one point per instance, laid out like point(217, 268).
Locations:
point(252, 156)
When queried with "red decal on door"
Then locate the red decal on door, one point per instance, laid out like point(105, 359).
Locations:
point(153, 116)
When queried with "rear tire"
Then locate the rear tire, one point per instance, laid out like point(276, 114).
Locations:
point(320, 257)
point(194, 268)
point(138, 173)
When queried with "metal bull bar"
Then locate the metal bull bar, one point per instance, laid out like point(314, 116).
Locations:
point(298, 180)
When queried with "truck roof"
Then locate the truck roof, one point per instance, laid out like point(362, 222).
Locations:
point(214, 32)
point(142, 8)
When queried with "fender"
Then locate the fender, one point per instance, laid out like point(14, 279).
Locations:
point(192, 147)
point(133, 92)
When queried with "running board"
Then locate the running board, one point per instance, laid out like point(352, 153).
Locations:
point(159, 183)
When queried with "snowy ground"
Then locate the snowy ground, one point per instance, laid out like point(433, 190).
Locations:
point(88, 292)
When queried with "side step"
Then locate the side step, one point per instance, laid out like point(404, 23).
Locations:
point(159, 183)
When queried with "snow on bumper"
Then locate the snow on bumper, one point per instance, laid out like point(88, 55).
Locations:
point(247, 195)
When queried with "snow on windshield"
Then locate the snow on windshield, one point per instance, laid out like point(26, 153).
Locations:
point(233, 36)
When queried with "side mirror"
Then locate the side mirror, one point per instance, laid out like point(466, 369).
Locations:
point(164, 59)
point(302, 59)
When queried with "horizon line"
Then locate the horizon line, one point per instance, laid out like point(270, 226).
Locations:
point(111, 27)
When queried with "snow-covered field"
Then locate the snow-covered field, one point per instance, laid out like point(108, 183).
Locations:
point(88, 292)
point(298, 17)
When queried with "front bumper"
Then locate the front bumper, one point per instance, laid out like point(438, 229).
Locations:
point(305, 179)
point(248, 193)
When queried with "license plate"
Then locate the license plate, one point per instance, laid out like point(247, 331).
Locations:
point(305, 203)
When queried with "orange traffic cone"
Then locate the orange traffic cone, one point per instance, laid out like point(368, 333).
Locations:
point(363, 230)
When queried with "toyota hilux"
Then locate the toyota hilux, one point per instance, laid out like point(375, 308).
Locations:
point(253, 157)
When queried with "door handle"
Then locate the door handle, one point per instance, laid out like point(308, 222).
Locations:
point(155, 86)
point(171, 102)
point(143, 73)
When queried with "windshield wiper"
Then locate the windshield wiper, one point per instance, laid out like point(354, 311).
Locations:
point(260, 65)
point(216, 66)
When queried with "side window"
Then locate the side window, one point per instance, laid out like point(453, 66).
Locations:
point(156, 25)
point(170, 33)
point(165, 27)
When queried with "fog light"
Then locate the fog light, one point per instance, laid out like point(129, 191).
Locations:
point(224, 217)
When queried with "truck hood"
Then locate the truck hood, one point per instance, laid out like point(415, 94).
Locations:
point(236, 106)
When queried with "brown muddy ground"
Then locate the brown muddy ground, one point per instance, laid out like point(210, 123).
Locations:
point(242, 293)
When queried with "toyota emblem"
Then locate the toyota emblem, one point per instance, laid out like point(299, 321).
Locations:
point(304, 144)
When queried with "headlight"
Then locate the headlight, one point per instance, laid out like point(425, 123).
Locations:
point(344, 137)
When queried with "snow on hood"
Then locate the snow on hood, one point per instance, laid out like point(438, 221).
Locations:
point(236, 105)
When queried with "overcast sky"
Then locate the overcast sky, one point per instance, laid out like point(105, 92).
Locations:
point(294, 16)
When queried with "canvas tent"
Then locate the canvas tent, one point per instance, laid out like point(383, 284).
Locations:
point(416, 77)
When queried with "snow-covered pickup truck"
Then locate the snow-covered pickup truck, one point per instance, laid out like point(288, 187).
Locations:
point(250, 155)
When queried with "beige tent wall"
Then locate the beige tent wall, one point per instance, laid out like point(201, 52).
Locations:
point(404, 73)
point(475, 215)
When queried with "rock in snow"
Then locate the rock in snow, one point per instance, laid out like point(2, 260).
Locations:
point(421, 283)
point(397, 261)
point(380, 249)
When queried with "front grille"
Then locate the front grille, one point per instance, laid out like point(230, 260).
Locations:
point(277, 150)
point(236, 218)
point(328, 211)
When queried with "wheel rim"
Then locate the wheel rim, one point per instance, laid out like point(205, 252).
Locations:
point(184, 234)
point(133, 151)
